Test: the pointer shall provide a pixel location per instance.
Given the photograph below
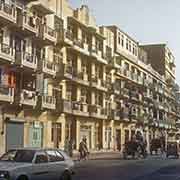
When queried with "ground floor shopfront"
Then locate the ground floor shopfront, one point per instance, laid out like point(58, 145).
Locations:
point(30, 129)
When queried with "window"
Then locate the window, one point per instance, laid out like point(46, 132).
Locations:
point(52, 156)
point(122, 40)
point(55, 156)
point(59, 156)
point(130, 46)
point(24, 156)
point(127, 44)
point(41, 158)
point(119, 38)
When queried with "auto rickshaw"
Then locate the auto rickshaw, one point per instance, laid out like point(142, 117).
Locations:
point(132, 149)
point(172, 149)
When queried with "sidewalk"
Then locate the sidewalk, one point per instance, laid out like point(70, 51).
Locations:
point(100, 155)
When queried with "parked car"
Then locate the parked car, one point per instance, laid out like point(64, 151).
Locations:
point(172, 149)
point(36, 164)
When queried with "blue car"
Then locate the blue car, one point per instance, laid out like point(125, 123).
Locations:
point(36, 164)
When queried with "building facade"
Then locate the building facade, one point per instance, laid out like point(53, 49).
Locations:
point(63, 77)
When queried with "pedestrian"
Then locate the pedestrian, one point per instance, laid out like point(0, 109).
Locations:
point(70, 147)
point(83, 149)
point(66, 145)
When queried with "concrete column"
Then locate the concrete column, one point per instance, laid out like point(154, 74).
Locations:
point(104, 73)
point(64, 88)
point(26, 134)
point(93, 40)
point(93, 136)
point(77, 133)
point(47, 134)
point(79, 35)
point(2, 134)
point(93, 69)
point(78, 93)
point(113, 135)
point(93, 97)
point(79, 64)
point(63, 133)
point(122, 137)
point(103, 134)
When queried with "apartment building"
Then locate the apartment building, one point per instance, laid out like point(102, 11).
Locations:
point(62, 76)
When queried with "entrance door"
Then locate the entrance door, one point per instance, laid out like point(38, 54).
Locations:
point(118, 139)
point(108, 139)
point(56, 134)
point(126, 136)
point(85, 131)
point(14, 135)
point(35, 136)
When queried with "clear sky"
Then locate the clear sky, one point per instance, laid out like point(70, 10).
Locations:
point(147, 21)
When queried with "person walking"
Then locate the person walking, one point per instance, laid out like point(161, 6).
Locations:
point(83, 149)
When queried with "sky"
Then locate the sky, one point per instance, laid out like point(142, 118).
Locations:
point(147, 21)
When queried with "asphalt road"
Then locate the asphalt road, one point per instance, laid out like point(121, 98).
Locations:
point(152, 168)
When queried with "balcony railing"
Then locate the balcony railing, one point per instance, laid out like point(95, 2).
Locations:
point(135, 95)
point(68, 37)
point(98, 112)
point(49, 102)
point(67, 106)
point(116, 88)
point(81, 46)
point(28, 98)
point(81, 78)
point(68, 71)
point(99, 83)
point(6, 94)
point(7, 13)
point(26, 59)
point(29, 23)
point(7, 53)
point(48, 34)
point(125, 92)
point(80, 109)
point(49, 67)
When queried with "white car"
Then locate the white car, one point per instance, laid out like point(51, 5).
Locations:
point(36, 164)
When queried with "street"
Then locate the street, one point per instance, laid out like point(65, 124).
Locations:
point(152, 168)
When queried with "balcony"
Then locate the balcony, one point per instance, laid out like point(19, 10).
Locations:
point(26, 60)
point(28, 24)
point(99, 83)
point(81, 78)
point(115, 115)
point(134, 77)
point(80, 109)
point(49, 102)
point(134, 96)
point(98, 54)
point(125, 93)
point(28, 98)
point(7, 14)
point(48, 67)
point(6, 94)
point(48, 35)
point(140, 80)
point(99, 112)
point(7, 53)
point(126, 73)
point(68, 37)
point(82, 47)
point(116, 88)
point(125, 114)
point(66, 106)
